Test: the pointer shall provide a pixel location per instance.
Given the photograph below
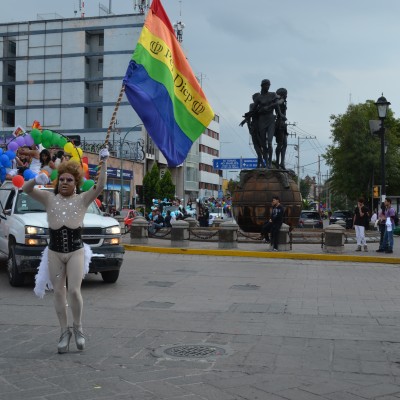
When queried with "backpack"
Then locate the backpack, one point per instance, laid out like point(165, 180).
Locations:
point(396, 218)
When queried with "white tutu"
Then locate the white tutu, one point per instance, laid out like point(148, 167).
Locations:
point(42, 278)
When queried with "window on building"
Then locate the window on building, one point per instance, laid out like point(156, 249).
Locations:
point(11, 95)
point(99, 114)
point(87, 85)
point(100, 64)
point(11, 71)
point(87, 59)
point(101, 39)
point(86, 110)
point(87, 38)
point(12, 47)
point(100, 89)
point(10, 118)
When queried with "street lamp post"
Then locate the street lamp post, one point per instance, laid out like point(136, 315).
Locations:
point(382, 106)
point(121, 143)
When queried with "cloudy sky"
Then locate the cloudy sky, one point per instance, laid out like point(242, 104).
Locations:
point(325, 53)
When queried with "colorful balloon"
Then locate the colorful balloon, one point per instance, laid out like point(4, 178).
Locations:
point(36, 136)
point(10, 154)
point(54, 175)
point(29, 140)
point(18, 181)
point(13, 146)
point(69, 147)
point(20, 140)
point(87, 185)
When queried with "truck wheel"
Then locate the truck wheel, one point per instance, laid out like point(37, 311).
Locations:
point(110, 276)
point(14, 277)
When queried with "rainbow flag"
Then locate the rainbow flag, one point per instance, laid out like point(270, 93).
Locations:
point(163, 90)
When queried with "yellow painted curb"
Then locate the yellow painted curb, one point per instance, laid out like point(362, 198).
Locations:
point(261, 254)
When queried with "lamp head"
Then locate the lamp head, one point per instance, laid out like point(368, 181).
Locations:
point(382, 106)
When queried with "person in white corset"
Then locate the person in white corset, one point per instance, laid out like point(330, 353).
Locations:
point(66, 208)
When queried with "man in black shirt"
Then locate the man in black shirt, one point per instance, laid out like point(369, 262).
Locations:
point(274, 224)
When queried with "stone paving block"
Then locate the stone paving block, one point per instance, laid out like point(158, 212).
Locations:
point(297, 394)
point(252, 393)
point(165, 389)
point(372, 391)
point(343, 396)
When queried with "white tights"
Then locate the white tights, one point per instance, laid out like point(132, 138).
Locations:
point(61, 267)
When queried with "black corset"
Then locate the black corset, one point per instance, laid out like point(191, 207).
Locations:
point(65, 240)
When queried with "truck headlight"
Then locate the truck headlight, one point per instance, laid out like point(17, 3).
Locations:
point(34, 230)
point(113, 230)
point(35, 242)
point(112, 241)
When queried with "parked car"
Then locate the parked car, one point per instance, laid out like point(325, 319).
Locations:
point(310, 219)
point(342, 217)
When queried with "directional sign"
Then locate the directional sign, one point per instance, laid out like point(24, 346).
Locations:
point(235, 163)
point(249, 163)
point(227, 163)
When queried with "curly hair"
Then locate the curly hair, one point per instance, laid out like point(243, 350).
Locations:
point(70, 167)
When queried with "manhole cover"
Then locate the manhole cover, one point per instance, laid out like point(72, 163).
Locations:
point(194, 351)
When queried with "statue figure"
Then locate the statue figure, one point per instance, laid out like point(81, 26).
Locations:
point(263, 117)
point(281, 132)
point(250, 118)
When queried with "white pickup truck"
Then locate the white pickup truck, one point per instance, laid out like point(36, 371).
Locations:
point(24, 235)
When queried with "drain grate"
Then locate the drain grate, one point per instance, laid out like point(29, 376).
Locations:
point(194, 351)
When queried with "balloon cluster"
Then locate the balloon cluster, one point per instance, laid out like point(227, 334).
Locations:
point(47, 139)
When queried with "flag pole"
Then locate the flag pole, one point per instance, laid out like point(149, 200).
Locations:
point(112, 121)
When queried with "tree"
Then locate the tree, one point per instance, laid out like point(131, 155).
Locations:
point(151, 186)
point(232, 185)
point(305, 186)
point(354, 156)
point(167, 188)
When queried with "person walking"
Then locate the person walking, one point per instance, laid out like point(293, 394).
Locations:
point(389, 226)
point(274, 224)
point(381, 227)
point(65, 256)
point(360, 220)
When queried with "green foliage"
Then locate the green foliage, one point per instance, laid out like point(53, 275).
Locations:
point(354, 155)
point(167, 188)
point(232, 186)
point(305, 187)
point(151, 185)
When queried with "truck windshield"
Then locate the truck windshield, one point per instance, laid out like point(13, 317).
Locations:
point(26, 204)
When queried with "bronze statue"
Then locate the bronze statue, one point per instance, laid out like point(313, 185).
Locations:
point(261, 115)
point(281, 132)
point(250, 118)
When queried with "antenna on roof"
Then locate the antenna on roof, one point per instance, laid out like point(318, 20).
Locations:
point(179, 25)
point(141, 5)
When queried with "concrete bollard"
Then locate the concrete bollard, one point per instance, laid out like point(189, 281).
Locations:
point(140, 231)
point(180, 234)
point(217, 222)
point(192, 222)
point(227, 235)
point(334, 238)
point(283, 239)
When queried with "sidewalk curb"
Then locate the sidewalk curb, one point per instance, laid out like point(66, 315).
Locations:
point(262, 254)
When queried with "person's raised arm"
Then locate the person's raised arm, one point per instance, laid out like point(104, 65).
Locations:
point(96, 190)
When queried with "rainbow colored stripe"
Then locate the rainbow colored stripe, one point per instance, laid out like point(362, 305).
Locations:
point(163, 90)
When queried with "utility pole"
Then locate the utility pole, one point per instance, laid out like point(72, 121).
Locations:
point(298, 155)
point(319, 182)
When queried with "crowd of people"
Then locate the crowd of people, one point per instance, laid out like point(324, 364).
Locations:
point(36, 159)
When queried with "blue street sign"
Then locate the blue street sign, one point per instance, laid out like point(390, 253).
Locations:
point(249, 163)
point(235, 163)
point(226, 163)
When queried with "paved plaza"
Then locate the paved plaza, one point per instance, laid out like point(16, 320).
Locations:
point(190, 327)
